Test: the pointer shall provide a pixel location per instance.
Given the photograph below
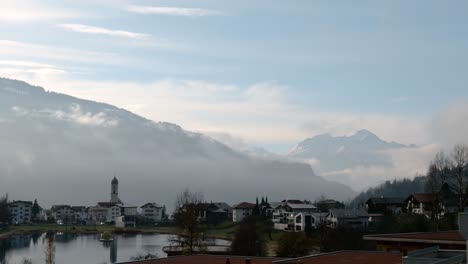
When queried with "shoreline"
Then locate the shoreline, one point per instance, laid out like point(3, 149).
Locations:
point(29, 230)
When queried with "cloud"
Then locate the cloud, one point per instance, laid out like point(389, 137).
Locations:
point(450, 126)
point(406, 163)
point(103, 31)
point(21, 11)
point(77, 116)
point(24, 70)
point(173, 11)
point(74, 115)
point(23, 51)
point(260, 113)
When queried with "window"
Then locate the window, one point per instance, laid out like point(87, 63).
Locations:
point(298, 219)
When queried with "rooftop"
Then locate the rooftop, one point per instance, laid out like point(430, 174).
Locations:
point(386, 200)
point(205, 259)
point(244, 205)
point(449, 237)
point(348, 213)
point(422, 197)
point(348, 257)
point(154, 205)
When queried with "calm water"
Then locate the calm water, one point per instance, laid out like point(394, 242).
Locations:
point(80, 249)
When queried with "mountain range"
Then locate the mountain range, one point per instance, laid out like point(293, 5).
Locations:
point(64, 150)
point(338, 157)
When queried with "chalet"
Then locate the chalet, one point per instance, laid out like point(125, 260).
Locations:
point(217, 212)
point(241, 211)
point(380, 205)
point(152, 211)
point(20, 211)
point(420, 203)
point(348, 218)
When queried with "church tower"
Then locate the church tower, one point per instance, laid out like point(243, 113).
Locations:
point(115, 191)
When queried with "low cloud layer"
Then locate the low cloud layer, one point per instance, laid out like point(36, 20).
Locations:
point(54, 142)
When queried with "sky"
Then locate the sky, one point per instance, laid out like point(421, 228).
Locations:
point(265, 73)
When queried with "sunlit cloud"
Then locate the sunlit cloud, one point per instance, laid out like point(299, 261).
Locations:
point(103, 31)
point(22, 11)
point(173, 11)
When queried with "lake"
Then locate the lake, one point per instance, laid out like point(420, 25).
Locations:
point(79, 249)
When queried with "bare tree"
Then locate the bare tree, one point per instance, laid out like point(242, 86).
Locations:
point(459, 175)
point(434, 182)
point(50, 250)
point(27, 261)
point(188, 218)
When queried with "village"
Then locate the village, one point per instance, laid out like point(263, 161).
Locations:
point(289, 216)
point(286, 215)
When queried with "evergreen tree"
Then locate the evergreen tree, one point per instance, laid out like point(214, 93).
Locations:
point(256, 210)
point(249, 240)
point(4, 211)
point(163, 212)
point(35, 210)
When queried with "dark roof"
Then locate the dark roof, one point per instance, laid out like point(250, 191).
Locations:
point(61, 206)
point(329, 201)
point(205, 259)
point(154, 205)
point(449, 237)
point(244, 205)
point(349, 257)
point(25, 202)
point(422, 197)
point(224, 206)
point(348, 213)
point(79, 208)
point(293, 201)
point(386, 200)
point(106, 204)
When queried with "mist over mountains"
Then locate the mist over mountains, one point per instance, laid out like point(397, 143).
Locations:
point(343, 158)
point(62, 149)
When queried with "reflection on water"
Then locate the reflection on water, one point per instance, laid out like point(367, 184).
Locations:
point(78, 249)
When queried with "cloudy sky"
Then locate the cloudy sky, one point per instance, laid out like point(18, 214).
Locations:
point(269, 73)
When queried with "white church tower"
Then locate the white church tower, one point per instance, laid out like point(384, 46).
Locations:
point(115, 191)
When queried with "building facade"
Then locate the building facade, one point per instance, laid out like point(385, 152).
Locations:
point(20, 211)
point(241, 211)
point(295, 216)
point(152, 211)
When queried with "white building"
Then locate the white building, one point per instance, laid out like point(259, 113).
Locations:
point(20, 211)
point(111, 211)
point(97, 214)
point(152, 211)
point(295, 216)
point(63, 213)
point(241, 211)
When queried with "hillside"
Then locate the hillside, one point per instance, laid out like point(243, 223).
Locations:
point(50, 140)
